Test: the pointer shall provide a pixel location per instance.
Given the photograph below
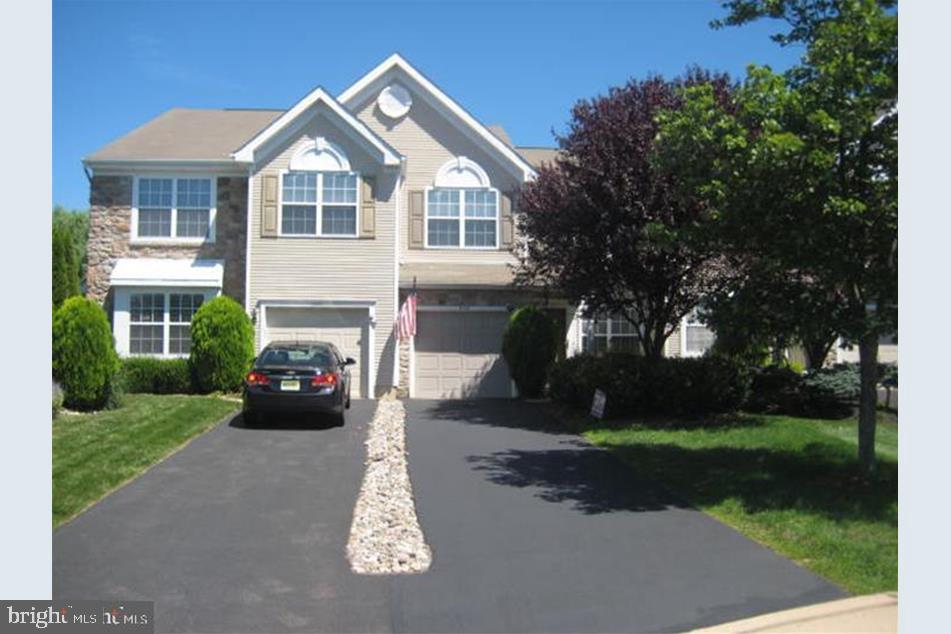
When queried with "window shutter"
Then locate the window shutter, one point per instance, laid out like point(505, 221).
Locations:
point(367, 208)
point(416, 218)
point(269, 206)
point(507, 230)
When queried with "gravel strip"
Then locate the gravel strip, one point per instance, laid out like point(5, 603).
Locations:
point(385, 537)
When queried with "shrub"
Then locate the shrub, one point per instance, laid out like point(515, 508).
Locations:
point(57, 399)
point(888, 374)
point(222, 345)
point(775, 389)
point(65, 265)
point(84, 358)
point(831, 392)
point(157, 376)
point(529, 346)
point(637, 386)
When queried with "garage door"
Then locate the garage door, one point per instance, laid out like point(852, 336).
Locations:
point(459, 355)
point(346, 328)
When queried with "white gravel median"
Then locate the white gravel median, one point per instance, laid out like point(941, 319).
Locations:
point(385, 536)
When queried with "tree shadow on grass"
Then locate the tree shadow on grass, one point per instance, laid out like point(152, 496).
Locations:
point(817, 479)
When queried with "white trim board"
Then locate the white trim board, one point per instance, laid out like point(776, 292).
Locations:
point(464, 121)
point(382, 150)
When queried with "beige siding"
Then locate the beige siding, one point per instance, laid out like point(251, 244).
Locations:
point(427, 139)
point(331, 268)
point(672, 346)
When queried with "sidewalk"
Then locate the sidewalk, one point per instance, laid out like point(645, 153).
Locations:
point(871, 613)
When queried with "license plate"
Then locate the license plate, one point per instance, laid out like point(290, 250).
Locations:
point(290, 386)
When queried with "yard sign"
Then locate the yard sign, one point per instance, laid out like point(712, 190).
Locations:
point(597, 405)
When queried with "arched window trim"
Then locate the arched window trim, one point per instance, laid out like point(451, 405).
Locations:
point(320, 155)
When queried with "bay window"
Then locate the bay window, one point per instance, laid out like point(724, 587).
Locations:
point(462, 218)
point(160, 322)
point(173, 209)
point(319, 204)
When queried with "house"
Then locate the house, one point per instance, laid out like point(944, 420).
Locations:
point(320, 219)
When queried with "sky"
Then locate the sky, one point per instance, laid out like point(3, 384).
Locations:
point(519, 64)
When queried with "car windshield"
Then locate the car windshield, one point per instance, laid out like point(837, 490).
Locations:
point(303, 356)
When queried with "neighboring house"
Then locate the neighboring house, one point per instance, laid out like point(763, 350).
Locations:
point(320, 220)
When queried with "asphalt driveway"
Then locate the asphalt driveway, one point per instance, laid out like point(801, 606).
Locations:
point(245, 530)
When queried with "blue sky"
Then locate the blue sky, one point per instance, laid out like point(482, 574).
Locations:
point(520, 64)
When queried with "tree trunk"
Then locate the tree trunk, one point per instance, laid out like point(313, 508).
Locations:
point(779, 350)
point(868, 401)
point(816, 352)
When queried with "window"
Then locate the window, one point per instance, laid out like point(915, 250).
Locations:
point(148, 320)
point(181, 309)
point(696, 337)
point(146, 323)
point(462, 218)
point(174, 208)
point(319, 204)
point(614, 334)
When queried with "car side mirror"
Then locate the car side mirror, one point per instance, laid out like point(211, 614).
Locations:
point(350, 361)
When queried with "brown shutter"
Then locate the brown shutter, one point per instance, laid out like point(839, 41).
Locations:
point(416, 218)
point(507, 233)
point(367, 208)
point(269, 206)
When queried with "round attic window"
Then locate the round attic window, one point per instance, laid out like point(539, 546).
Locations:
point(394, 101)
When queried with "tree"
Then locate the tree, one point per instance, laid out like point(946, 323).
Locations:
point(529, 346)
point(65, 268)
point(801, 171)
point(77, 222)
point(600, 225)
point(84, 357)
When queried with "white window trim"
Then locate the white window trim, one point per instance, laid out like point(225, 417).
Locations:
point(134, 237)
point(319, 225)
point(122, 316)
point(608, 335)
point(689, 320)
point(462, 219)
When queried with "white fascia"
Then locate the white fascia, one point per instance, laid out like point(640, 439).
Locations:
point(387, 155)
point(442, 102)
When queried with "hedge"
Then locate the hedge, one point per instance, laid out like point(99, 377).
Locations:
point(84, 358)
point(222, 345)
point(529, 346)
point(149, 375)
point(637, 386)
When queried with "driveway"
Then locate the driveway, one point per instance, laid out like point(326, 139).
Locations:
point(245, 530)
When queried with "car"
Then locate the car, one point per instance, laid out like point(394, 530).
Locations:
point(298, 378)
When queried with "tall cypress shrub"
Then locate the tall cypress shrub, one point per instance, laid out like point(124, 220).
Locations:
point(529, 346)
point(84, 357)
point(222, 345)
point(65, 265)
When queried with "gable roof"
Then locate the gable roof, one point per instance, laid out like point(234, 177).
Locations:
point(319, 96)
point(442, 102)
point(185, 134)
point(539, 156)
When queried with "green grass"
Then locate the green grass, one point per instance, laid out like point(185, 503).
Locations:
point(789, 483)
point(93, 454)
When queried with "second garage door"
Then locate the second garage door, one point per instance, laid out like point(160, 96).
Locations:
point(346, 328)
point(459, 355)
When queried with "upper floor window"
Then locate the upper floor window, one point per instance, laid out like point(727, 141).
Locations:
point(319, 204)
point(462, 211)
point(696, 336)
point(174, 209)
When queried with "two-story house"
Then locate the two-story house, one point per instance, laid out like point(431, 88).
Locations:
point(321, 219)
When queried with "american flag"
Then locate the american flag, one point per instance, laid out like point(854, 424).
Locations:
point(406, 320)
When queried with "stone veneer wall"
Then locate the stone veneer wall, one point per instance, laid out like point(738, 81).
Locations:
point(110, 221)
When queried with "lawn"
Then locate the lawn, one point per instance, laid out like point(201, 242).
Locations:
point(789, 483)
point(93, 454)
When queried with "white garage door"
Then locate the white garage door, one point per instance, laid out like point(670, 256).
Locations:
point(346, 328)
point(459, 355)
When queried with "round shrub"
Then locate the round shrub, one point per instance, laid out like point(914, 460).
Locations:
point(776, 389)
point(84, 357)
point(831, 392)
point(529, 346)
point(222, 345)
